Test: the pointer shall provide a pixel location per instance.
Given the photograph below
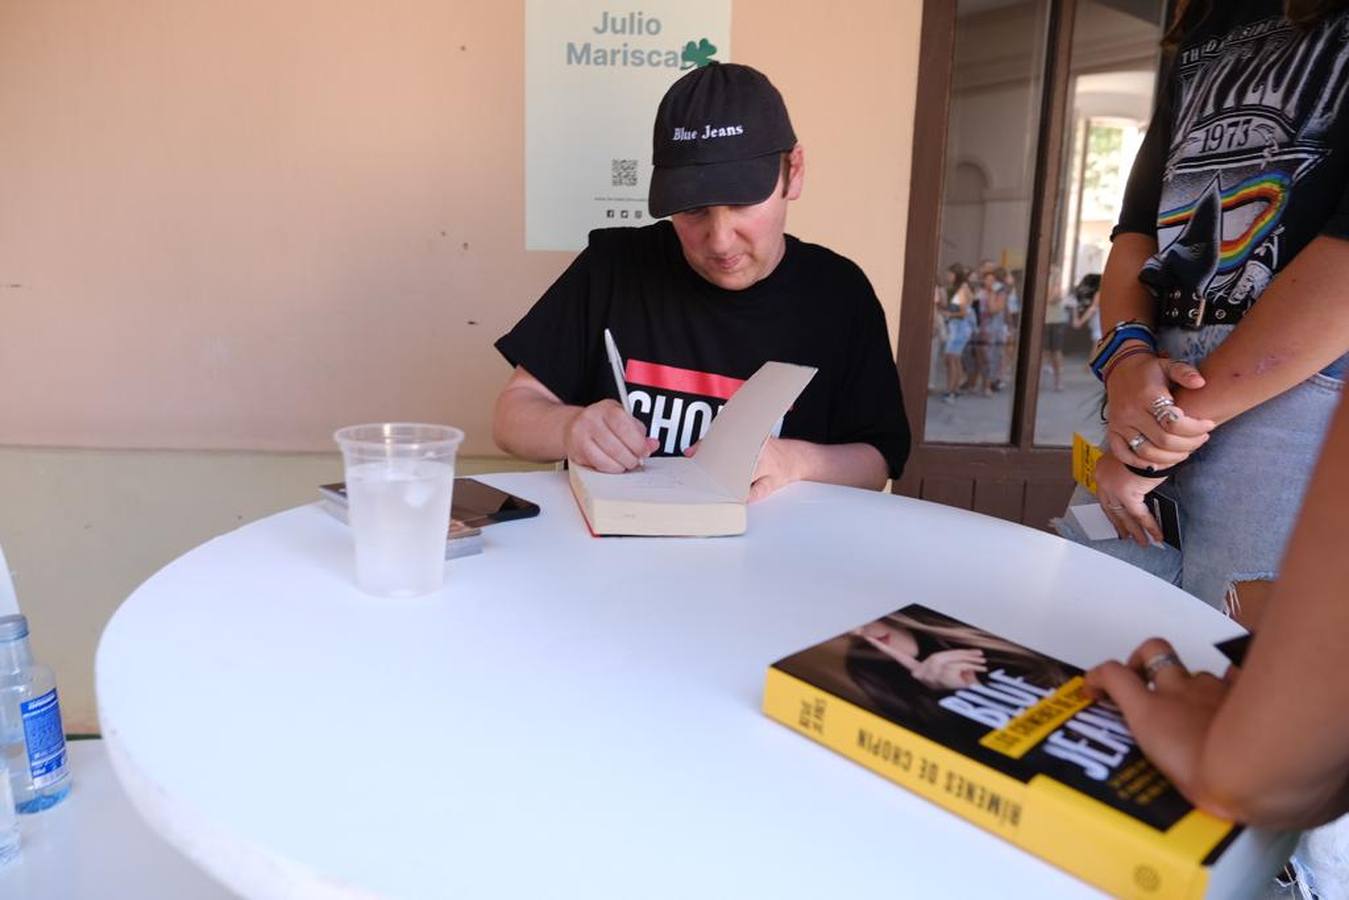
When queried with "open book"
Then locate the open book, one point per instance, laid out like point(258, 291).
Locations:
point(701, 496)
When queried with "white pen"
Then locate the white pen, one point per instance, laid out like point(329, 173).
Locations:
point(616, 366)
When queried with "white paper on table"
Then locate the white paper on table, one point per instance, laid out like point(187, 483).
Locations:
point(1093, 522)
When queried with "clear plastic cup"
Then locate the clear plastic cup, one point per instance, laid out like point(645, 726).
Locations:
point(400, 477)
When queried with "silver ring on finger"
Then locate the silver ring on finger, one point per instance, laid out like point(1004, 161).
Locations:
point(1166, 415)
point(1160, 402)
point(1114, 507)
point(1137, 441)
point(1158, 662)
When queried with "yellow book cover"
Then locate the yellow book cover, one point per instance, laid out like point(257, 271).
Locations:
point(1008, 738)
point(1085, 457)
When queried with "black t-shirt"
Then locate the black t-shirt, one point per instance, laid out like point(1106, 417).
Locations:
point(687, 345)
point(1245, 161)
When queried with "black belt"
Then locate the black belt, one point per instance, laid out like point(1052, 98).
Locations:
point(1180, 309)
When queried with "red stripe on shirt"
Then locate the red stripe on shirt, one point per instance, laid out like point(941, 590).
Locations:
point(685, 381)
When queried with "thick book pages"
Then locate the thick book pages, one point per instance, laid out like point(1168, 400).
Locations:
point(705, 495)
point(1007, 738)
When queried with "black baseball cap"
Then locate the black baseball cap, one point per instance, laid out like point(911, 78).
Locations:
point(719, 137)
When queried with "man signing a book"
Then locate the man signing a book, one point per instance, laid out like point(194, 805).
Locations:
point(697, 303)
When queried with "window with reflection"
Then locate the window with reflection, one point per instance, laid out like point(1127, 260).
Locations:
point(992, 137)
point(1115, 54)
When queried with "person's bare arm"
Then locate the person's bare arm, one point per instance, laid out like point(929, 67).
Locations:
point(1123, 297)
point(531, 422)
point(784, 460)
point(1294, 675)
point(1299, 325)
point(1272, 749)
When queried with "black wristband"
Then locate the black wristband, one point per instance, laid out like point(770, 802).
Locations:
point(1153, 472)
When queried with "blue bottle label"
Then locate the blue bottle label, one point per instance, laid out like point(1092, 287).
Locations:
point(46, 741)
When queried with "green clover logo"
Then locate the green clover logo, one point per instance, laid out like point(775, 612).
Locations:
point(699, 54)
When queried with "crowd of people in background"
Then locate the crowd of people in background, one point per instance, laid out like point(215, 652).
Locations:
point(978, 317)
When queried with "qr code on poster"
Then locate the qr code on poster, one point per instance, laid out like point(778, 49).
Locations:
point(625, 173)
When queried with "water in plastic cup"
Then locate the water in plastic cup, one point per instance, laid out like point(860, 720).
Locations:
point(399, 481)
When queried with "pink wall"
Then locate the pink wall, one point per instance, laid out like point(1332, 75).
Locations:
point(239, 225)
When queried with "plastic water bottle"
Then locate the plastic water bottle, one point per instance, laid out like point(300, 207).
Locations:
point(9, 819)
point(32, 740)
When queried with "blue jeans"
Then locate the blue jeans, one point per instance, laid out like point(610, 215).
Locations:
point(958, 334)
point(1238, 495)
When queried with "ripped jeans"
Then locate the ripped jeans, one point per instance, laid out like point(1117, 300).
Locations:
point(1238, 495)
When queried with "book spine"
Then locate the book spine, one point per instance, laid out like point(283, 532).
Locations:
point(577, 489)
point(1061, 826)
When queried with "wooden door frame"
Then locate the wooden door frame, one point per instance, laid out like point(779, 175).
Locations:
point(1016, 480)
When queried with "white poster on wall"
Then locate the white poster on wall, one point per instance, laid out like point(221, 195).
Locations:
point(594, 75)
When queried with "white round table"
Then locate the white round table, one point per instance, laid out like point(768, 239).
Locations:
point(577, 717)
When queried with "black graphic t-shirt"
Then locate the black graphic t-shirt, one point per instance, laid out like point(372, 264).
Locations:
point(687, 345)
point(1246, 160)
